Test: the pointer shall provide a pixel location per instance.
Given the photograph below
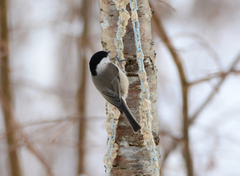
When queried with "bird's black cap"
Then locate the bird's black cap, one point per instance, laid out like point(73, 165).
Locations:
point(95, 60)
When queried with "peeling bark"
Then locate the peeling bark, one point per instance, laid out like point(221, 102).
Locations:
point(133, 157)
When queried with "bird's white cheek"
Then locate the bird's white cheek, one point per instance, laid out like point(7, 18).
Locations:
point(105, 60)
point(101, 67)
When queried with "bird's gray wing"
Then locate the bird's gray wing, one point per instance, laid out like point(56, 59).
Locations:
point(116, 85)
point(113, 95)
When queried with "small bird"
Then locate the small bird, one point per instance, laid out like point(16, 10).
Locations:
point(112, 83)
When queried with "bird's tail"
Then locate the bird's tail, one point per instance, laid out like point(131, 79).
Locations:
point(126, 111)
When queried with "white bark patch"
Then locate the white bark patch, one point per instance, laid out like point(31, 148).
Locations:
point(129, 151)
point(124, 143)
point(120, 4)
point(104, 24)
point(134, 15)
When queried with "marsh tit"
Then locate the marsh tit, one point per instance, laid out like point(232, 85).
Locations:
point(112, 83)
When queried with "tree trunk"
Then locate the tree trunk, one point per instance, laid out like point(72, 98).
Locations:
point(83, 46)
point(6, 93)
point(133, 157)
point(184, 87)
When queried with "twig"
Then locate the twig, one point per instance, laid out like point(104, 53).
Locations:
point(63, 130)
point(215, 75)
point(170, 149)
point(65, 119)
point(165, 133)
point(33, 149)
point(46, 122)
point(206, 46)
point(211, 95)
point(167, 154)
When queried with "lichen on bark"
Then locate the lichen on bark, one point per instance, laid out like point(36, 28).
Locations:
point(133, 157)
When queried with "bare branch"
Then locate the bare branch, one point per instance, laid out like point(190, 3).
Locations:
point(214, 75)
point(175, 142)
point(184, 88)
point(33, 149)
point(205, 45)
point(46, 122)
point(211, 95)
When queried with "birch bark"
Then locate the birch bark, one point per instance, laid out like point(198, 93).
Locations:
point(133, 158)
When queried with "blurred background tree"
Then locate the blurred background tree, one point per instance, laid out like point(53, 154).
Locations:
point(6, 95)
point(49, 42)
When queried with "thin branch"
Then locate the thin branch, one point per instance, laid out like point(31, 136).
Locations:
point(205, 45)
point(165, 133)
point(170, 149)
point(167, 154)
point(27, 84)
point(211, 95)
point(184, 88)
point(64, 129)
point(43, 122)
point(33, 149)
point(46, 122)
point(67, 118)
point(215, 75)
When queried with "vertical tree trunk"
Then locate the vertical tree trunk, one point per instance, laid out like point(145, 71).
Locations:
point(184, 88)
point(133, 158)
point(81, 108)
point(6, 93)
point(83, 45)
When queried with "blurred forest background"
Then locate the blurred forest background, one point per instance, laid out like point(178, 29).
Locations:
point(49, 91)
